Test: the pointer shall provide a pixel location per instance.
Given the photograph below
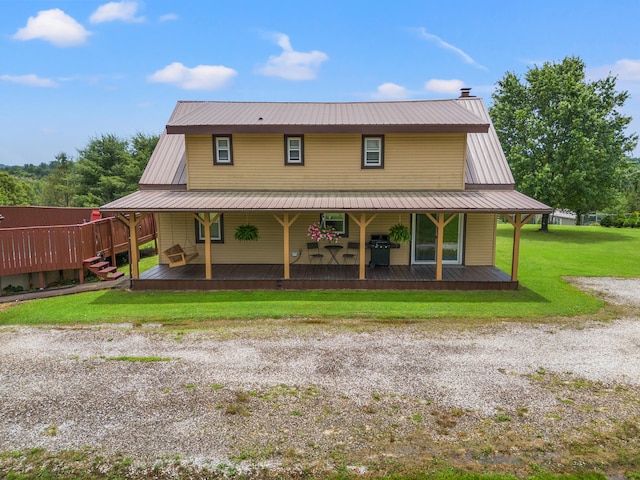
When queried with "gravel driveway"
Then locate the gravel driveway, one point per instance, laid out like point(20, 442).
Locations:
point(296, 396)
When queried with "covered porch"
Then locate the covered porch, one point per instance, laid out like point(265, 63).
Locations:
point(303, 277)
point(285, 209)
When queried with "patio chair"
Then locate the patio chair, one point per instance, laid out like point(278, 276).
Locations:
point(353, 250)
point(313, 250)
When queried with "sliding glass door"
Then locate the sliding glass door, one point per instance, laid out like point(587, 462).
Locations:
point(425, 240)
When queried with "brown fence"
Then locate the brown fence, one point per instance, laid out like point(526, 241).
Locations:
point(17, 217)
point(64, 247)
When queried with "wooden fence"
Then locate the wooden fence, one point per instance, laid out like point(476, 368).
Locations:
point(64, 247)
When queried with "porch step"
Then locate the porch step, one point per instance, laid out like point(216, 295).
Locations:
point(102, 268)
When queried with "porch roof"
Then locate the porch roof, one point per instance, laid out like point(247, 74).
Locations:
point(479, 201)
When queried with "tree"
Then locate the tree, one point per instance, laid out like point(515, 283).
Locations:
point(58, 187)
point(109, 167)
point(564, 137)
point(14, 192)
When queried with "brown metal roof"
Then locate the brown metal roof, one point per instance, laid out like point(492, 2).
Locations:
point(480, 201)
point(419, 116)
point(486, 164)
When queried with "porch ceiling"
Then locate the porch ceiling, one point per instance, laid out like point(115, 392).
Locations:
point(479, 201)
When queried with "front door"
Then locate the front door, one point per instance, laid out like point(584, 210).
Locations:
point(424, 238)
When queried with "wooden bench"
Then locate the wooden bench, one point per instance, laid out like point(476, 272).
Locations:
point(177, 256)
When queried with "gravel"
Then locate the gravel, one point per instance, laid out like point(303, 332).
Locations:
point(205, 398)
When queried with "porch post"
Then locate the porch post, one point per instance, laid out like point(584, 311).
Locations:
point(363, 223)
point(132, 222)
point(206, 222)
point(286, 223)
point(517, 223)
point(440, 224)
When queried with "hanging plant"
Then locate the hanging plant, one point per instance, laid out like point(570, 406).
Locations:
point(247, 232)
point(399, 233)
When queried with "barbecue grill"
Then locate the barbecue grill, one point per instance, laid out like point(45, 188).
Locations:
point(380, 246)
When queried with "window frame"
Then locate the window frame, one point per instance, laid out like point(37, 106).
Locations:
point(287, 150)
point(216, 150)
point(345, 231)
point(380, 163)
point(200, 230)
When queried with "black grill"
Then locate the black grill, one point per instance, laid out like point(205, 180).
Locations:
point(380, 246)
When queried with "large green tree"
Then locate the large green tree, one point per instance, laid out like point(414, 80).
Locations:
point(15, 192)
point(109, 167)
point(564, 136)
point(58, 188)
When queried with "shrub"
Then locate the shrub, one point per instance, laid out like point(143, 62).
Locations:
point(607, 221)
point(618, 222)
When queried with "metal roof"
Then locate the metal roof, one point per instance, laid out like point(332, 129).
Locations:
point(418, 116)
point(480, 201)
point(486, 163)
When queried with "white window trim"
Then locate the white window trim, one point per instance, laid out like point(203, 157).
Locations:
point(300, 159)
point(380, 151)
point(344, 221)
point(216, 238)
point(228, 149)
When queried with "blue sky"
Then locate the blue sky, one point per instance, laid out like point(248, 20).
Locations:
point(71, 70)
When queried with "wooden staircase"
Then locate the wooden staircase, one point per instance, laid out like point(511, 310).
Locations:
point(102, 268)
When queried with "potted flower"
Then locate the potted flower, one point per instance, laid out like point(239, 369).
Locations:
point(317, 231)
point(247, 232)
point(399, 233)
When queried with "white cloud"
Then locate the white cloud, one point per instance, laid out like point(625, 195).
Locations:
point(447, 46)
point(293, 65)
point(391, 91)
point(452, 86)
point(202, 77)
point(626, 70)
point(168, 17)
point(53, 26)
point(109, 12)
point(30, 80)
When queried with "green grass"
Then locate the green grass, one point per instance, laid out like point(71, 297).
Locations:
point(544, 259)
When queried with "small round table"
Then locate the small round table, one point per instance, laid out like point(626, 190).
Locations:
point(333, 250)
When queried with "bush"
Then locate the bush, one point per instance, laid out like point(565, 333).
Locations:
point(618, 222)
point(607, 221)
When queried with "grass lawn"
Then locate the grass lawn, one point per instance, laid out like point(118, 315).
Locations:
point(545, 258)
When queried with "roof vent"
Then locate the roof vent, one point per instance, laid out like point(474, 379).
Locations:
point(465, 92)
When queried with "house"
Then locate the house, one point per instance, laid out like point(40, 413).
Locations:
point(434, 166)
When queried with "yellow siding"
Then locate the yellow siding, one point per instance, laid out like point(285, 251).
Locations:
point(269, 248)
point(480, 239)
point(331, 162)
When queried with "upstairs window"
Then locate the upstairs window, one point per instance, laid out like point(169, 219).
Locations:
point(222, 152)
point(216, 230)
point(294, 150)
point(373, 152)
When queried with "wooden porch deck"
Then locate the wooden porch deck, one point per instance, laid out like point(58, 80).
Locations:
point(322, 277)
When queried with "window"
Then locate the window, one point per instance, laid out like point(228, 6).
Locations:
point(339, 221)
point(222, 152)
point(294, 150)
point(372, 152)
point(217, 230)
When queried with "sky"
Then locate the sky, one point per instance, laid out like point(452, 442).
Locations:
point(73, 70)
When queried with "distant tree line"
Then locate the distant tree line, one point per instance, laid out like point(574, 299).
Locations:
point(107, 168)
